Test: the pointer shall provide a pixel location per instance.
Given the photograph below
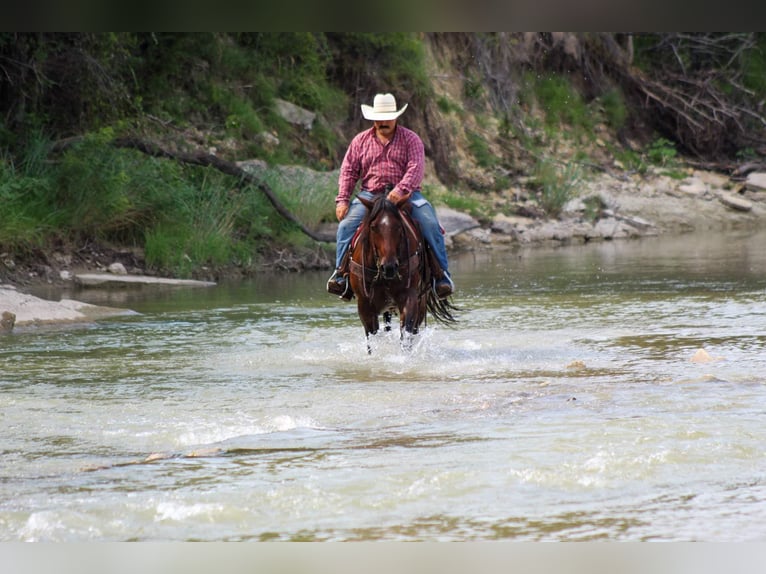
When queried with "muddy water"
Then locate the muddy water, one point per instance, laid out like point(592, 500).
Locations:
point(565, 406)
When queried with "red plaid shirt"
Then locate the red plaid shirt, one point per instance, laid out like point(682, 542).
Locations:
point(400, 162)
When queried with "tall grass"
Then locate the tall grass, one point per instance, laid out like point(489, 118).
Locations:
point(185, 217)
point(25, 196)
point(556, 186)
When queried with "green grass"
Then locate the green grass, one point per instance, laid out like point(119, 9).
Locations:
point(556, 186)
point(561, 103)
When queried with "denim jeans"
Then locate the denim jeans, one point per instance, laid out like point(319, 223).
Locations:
point(422, 212)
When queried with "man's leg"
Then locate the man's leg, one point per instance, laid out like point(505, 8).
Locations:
point(346, 229)
point(424, 213)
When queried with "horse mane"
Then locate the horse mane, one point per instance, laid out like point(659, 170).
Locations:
point(381, 203)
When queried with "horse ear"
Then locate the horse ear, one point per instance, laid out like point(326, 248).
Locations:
point(366, 202)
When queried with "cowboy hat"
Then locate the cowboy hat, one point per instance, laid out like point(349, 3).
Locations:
point(383, 108)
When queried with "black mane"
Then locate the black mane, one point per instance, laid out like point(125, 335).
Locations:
point(381, 204)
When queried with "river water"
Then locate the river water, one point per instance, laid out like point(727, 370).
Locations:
point(564, 406)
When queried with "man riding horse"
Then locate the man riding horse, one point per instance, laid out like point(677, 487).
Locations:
point(389, 159)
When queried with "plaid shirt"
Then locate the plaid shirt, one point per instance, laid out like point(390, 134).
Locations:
point(400, 162)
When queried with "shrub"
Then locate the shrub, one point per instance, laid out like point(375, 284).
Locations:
point(557, 187)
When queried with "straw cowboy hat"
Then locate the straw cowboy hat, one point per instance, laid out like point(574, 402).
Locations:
point(383, 108)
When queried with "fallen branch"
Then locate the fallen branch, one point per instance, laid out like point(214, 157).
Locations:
point(227, 167)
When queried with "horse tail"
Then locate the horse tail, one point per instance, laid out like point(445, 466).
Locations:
point(441, 309)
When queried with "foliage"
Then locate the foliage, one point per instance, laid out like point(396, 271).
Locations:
point(561, 103)
point(614, 108)
point(477, 145)
point(662, 152)
point(308, 196)
point(25, 191)
point(556, 186)
point(380, 62)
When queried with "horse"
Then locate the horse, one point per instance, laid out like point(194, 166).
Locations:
point(389, 272)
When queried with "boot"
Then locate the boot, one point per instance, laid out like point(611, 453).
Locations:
point(337, 284)
point(444, 287)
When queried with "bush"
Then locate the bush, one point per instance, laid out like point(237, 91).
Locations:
point(557, 187)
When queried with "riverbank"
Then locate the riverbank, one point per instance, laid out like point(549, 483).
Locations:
point(609, 207)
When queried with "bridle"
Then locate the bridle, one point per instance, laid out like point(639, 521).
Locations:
point(375, 274)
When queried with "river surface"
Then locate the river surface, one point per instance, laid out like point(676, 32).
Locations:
point(564, 406)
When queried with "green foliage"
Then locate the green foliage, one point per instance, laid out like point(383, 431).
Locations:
point(562, 104)
point(754, 67)
point(109, 193)
point(556, 187)
point(446, 105)
point(463, 203)
point(479, 148)
point(27, 215)
point(631, 160)
point(614, 108)
point(746, 154)
point(473, 88)
point(662, 152)
point(204, 230)
point(26, 186)
point(308, 195)
point(381, 61)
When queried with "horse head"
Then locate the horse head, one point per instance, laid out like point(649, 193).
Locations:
point(386, 232)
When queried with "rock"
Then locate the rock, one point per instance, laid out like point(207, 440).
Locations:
point(295, 114)
point(702, 356)
point(117, 268)
point(633, 221)
point(611, 228)
point(253, 166)
point(454, 221)
point(507, 224)
point(106, 279)
point(735, 202)
point(756, 181)
point(7, 321)
point(268, 139)
point(693, 187)
point(30, 310)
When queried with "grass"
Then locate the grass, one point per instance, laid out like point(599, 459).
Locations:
point(185, 217)
point(26, 185)
point(556, 186)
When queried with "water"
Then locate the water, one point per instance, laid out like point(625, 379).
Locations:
point(564, 406)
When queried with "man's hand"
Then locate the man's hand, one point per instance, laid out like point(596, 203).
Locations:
point(394, 196)
point(341, 209)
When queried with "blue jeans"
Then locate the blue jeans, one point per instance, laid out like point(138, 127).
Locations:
point(422, 212)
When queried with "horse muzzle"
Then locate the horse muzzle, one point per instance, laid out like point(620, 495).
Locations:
point(389, 270)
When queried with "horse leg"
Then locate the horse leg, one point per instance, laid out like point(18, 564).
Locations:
point(369, 318)
point(387, 321)
point(409, 322)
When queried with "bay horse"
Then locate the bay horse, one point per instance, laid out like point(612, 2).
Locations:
point(389, 272)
